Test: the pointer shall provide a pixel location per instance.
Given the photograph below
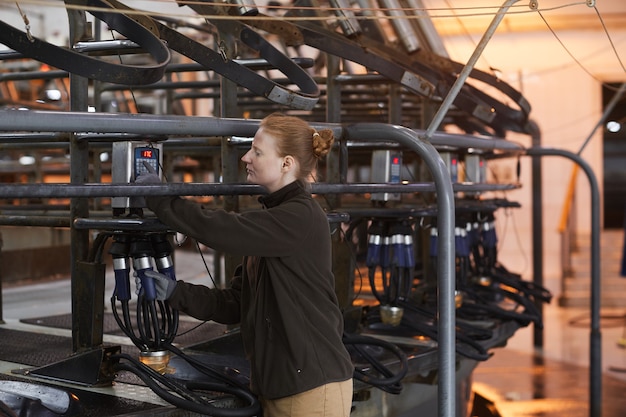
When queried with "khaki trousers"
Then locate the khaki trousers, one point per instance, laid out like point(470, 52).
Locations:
point(330, 400)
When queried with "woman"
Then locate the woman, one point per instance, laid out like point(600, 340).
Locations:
point(283, 293)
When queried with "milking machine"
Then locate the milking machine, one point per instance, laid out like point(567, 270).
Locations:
point(485, 290)
point(149, 321)
point(152, 327)
point(390, 256)
point(156, 323)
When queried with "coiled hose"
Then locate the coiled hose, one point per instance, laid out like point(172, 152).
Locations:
point(390, 381)
point(185, 395)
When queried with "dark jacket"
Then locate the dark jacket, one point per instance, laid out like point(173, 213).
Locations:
point(283, 294)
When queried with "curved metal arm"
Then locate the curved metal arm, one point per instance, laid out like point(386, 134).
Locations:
point(446, 258)
point(595, 338)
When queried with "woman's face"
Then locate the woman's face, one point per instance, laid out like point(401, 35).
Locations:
point(264, 166)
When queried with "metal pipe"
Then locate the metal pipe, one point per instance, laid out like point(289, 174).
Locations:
point(445, 267)
point(154, 225)
point(467, 69)
point(438, 139)
point(58, 121)
point(427, 28)
point(595, 338)
point(87, 315)
point(346, 18)
point(537, 227)
point(164, 85)
point(256, 64)
point(35, 221)
point(172, 85)
point(404, 30)
point(217, 189)
point(105, 45)
point(121, 224)
point(165, 125)
point(32, 75)
point(27, 138)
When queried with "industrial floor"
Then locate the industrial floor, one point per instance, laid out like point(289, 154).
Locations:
point(553, 381)
point(519, 380)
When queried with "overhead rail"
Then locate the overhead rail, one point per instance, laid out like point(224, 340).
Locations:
point(90, 67)
point(306, 98)
point(156, 38)
point(421, 72)
point(424, 73)
point(255, 64)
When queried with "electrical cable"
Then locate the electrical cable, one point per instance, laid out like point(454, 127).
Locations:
point(571, 55)
point(206, 266)
point(609, 37)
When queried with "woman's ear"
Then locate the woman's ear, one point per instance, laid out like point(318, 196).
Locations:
point(288, 163)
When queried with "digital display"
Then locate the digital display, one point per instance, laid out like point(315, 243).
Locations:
point(146, 153)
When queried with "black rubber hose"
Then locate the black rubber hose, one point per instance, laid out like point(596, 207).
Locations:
point(476, 351)
point(125, 325)
point(392, 388)
point(203, 368)
point(391, 378)
point(372, 280)
point(141, 324)
point(188, 399)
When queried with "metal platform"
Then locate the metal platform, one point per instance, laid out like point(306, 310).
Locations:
point(44, 343)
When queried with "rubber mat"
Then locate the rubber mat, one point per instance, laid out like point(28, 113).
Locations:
point(36, 349)
point(189, 332)
point(33, 349)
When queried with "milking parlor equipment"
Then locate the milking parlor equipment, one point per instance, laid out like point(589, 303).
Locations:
point(148, 320)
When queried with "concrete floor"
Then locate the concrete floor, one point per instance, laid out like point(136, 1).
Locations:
point(520, 379)
point(553, 380)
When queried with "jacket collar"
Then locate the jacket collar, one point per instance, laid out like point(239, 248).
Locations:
point(288, 192)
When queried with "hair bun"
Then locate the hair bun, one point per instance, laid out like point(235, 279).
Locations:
point(322, 142)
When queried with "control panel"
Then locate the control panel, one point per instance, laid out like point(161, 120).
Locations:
point(386, 167)
point(146, 155)
point(128, 162)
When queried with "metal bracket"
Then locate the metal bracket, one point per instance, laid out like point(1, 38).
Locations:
point(90, 368)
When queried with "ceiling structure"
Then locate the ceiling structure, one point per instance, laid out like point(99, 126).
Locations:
point(455, 17)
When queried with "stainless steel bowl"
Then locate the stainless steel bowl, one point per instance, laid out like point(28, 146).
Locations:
point(391, 314)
